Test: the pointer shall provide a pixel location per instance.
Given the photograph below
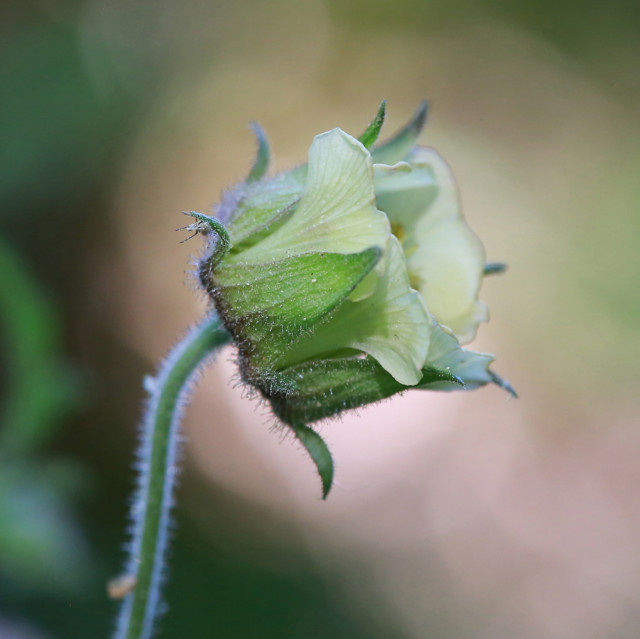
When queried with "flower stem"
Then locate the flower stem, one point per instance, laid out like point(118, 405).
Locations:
point(157, 456)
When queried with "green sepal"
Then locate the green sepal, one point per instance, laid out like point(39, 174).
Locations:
point(260, 208)
point(433, 374)
point(336, 213)
point(503, 383)
point(319, 452)
point(264, 221)
point(268, 306)
point(398, 147)
point(370, 136)
point(205, 224)
point(263, 155)
point(295, 292)
point(388, 321)
point(325, 388)
point(494, 268)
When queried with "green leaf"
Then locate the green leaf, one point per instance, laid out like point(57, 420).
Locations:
point(40, 388)
point(397, 148)
point(39, 539)
point(494, 268)
point(369, 137)
point(261, 164)
point(60, 134)
point(319, 453)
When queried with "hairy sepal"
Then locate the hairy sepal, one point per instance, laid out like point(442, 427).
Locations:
point(259, 208)
point(267, 307)
point(321, 389)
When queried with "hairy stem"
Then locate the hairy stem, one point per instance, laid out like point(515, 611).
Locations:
point(150, 510)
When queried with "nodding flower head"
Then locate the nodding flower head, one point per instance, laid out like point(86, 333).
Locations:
point(348, 279)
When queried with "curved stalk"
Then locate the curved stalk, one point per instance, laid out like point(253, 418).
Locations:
point(157, 457)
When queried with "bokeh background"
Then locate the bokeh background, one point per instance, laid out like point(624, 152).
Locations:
point(456, 515)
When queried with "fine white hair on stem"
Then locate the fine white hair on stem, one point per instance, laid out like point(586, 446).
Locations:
point(157, 463)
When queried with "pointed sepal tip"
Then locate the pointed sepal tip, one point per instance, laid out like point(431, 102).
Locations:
point(370, 136)
point(494, 268)
point(503, 383)
point(263, 155)
point(398, 146)
point(317, 449)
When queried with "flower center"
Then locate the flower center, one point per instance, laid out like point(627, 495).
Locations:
point(398, 230)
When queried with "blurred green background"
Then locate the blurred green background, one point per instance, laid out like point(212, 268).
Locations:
point(464, 516)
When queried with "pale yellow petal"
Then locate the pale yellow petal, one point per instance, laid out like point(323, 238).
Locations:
point(471, 367)
point(337, 212)
point(391, 324)
point(404, 191)
point(448, 263)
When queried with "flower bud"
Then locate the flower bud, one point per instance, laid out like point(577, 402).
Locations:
point(348, 279)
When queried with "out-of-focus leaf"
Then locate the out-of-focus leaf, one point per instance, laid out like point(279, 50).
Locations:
point(39, 388)
point(56, 127)
point(41, 547)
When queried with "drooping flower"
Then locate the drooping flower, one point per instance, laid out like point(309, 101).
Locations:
point(348, 279)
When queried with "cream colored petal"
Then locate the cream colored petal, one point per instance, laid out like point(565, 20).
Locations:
point(447, 265)
point(404, 191)
point(471, 367)
point(392, 324)
point(337, 212)
point(446, 269)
